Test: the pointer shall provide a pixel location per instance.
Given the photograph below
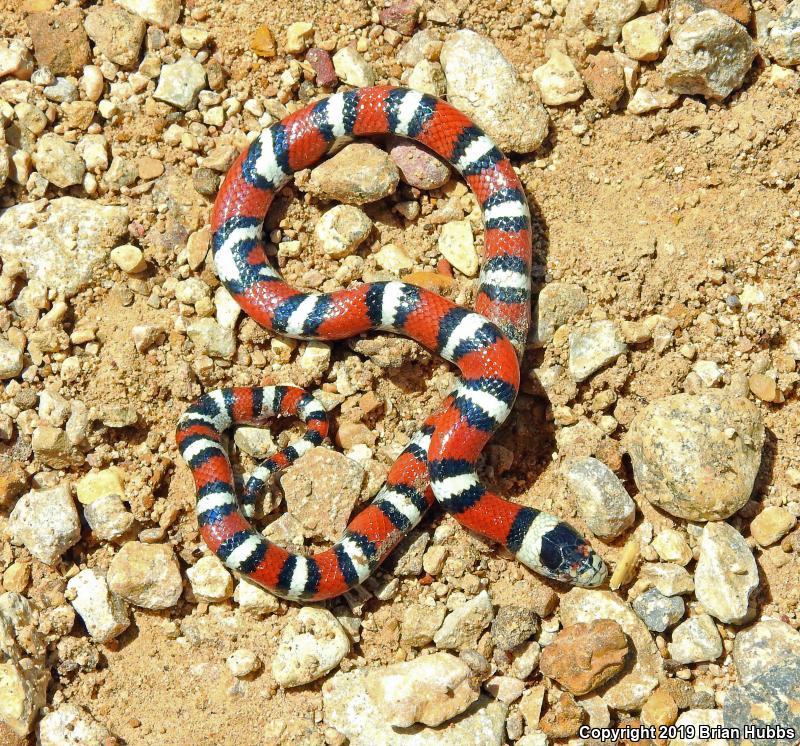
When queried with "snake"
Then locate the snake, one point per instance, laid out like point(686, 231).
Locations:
point(439, 464)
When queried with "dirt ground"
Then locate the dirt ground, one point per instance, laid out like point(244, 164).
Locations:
point(642, 212)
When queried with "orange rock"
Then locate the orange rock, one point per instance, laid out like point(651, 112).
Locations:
point(585, 656)
point(430, 281)
point(564, 719)
point(263, 42)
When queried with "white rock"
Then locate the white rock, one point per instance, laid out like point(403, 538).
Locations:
point(210, 580)
point(10, 360)
point(603, 502)
point(393, 259)
point(93, 149)
point(644, 101)
point(255, 441)
point(672, 547)
point(710, 373)
point(146, 336)
point(180, 83)
point(58, 161)
point(342, 229)
point(763, 647)
point(695, 640)
point(70, 725)
point(311, 644)
point(146, 575)
point(212, 338)
point(351, 711)
point(108, 517)
point(457, 245)
point(128, 258)
point(462, 626)
point(61, 244)
point(428, 77)
point(507, 689)
point(711, 719)
point(594, 347)
point(710, 55)
point(558, 302)
point(726, 575)
point(483, 84)
point(104, 614)
point(46, 523)
point(15, 59)
point(163, 13)
point(352, 68)
point(252, 597)
point(243, 662)
point(430, 689)
point(558, 80)
point(228, 310)
point(644, 36)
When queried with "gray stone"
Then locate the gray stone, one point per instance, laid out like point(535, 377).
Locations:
point(697, 456)
point(710, 55)
point(46, 522)
point(726, 575)
point(658, 611)
point(602, 499)
point(513, 625)
point(764, 646)
point(696, 640)
point(558, 302)
point(483, 84)
point(61, 244)
point(58, 161)
point(594, 347)
point(783, 36)
point(770, 699)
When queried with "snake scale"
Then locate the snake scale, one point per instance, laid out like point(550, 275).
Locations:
point(439, 462)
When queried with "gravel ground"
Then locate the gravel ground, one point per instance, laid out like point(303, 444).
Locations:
point(658, 144)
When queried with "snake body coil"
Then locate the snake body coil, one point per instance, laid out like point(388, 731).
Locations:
point(440, 460)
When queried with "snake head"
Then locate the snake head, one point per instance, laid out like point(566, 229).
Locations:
point(566, 556)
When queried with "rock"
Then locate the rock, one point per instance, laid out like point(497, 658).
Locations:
point(764, 387)
point(660, 709)
point(59, 41)
point(598, 22)
point(11, 360)
point(506, 689)
point(644, 101)
point(483, 84)
point(697, 456)
point(463, 625)
point(163, 13)
point(341, 230)
point(783, 36)
point(726, 574)
point(564, 719)
point(146, 575)
point(672, 547)
point(357, 174)
point(262, 42)
point(324, 70)
point(602, 500)
point(771, 525)
point(104, 614)
point(699, 718)
point(431, 690)
point(605, 78)
point(312, 644)
point(129, 258)
point(15, 59)
point(558, 80)
point(695, 640)
point(57, 161)
point(594, 347)
point(710, 55)
point(210, 580)
point(644, 36)
point(457, 245)
point(211, 338)
point(669, 579)
point(52, 447)
point(117, 33)
point(70, 725)
point(23, 673)
point(558, 302)
point(108, 517)
point(321, 489)
point(242, 662)
point(583, 657)
point(763, 647)
point(420, 623)
point(60, 245)
point(526, 659)
point(13, 480)
point(352, 68)
point(418, 167)
point(428, 77)
point(298, 36)
point(400, 16)
point(643, 670)
point(46, 523)
point(513, 625)
point(352, 712)
point(769, 699)
point(658, 611)
point(393, 259)
point(180, 83)
point(251, 597)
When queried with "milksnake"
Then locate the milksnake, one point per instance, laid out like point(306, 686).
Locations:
point(440, 460)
